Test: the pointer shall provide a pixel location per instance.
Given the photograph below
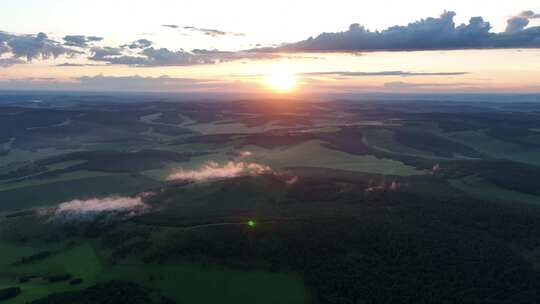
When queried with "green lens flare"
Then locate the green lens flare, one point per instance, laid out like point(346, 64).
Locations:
point(251, 223)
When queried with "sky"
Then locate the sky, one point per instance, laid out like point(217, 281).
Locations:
point(265, 46)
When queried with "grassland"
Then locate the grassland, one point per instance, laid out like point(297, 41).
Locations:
point(497, 148)
point(180, 280)
point(217, 153)
point(383, 140)
point(57, 192)
point(308, 154)
point(64, 165)
point(312, 154)
point(76, 175)
point(20, 155)
point(230, 128)
point(149, 119)
point(482, 189)
point(79, 261)
point(197, 283)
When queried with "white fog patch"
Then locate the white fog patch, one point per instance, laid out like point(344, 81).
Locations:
point(392, 186)
point(107, 208)
point(244, 154)
point(292, 180)
point(214, 170)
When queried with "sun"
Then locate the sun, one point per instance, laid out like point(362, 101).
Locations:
point(281, 81)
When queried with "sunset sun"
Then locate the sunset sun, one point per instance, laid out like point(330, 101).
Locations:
point(281, 81)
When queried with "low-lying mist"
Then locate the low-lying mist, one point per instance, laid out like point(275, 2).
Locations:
point(213, 170)
point(106, 208)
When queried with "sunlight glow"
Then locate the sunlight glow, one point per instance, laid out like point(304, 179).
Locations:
point(281, 81)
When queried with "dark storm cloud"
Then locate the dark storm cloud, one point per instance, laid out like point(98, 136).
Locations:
point(211, 32)
point(80, 40)
point(383, 73)
point(519, 22)
point(427, 34)
point(33, 46)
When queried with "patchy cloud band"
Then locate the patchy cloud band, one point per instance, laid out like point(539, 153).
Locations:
point(427, 34)
point(32, 47)
point(440, 33)
point(382, 73)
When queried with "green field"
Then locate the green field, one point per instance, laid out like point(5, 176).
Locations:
point(196, 283)
point(19, 155)
point(182, 281)
point(64, 165)
point(313, 154)
point(217, 154)
point(230, 127)
point(60, 191)
point(80, 261)
point(497, 148)
point(76, 175)
point(383, 140)
point(479, 188)
point(308, 154)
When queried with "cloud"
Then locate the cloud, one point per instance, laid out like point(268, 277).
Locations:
point(165, 57)
point(90, 210)
point(139, 53)
point(292, 180)
point(244, 154)
point(80, 40)
point(119, 84)
point(139, 44)
point(393, 186)
point(151, 57)
point(4, 48)
point(7, 62)
point(33, 46)
point(400, 85)
point(68, 64)
point(519, 22)
point(139, 83)
point(383, 73)
point(212, 32)
point(36, 79)
point(213, 170)
point(101, 53)
point(173, 26)
point(205, 31)
point(427, 34)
